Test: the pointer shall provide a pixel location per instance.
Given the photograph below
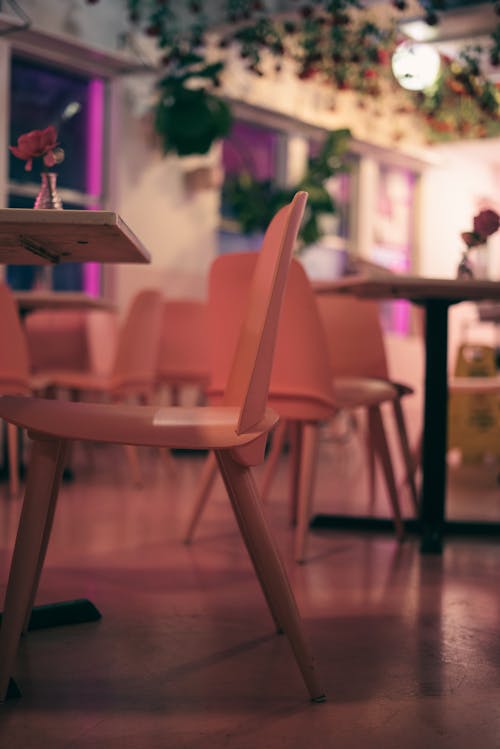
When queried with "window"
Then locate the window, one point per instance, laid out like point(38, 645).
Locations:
point(41, 95)
point(394, 234)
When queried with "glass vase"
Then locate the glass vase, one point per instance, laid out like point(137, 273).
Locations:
point(48, 197)
point(480, 260)
point(474, 263)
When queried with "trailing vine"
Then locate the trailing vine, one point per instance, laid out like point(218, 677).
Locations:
point(330, 41)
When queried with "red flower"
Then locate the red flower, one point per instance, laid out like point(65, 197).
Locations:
point(37, 143)
point(486, 223)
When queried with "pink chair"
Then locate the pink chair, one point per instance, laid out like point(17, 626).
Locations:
point(184, 348)
point(57, 339)
point(301, 390)
point(14, 372)
point(356, 350)
point(236, 430)
point(133, 373)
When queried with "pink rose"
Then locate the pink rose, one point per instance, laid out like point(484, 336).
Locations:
point(486, 223)
point(36, 143)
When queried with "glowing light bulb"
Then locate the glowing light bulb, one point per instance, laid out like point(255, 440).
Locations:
point(415, 66)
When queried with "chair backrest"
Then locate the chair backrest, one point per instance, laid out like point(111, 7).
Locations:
point(138, 343)
point(300, 384)
point(184, 348)
point(354, 335)
point(14, 357)
point(246, 367)
point(101, 332)
point(57, 339)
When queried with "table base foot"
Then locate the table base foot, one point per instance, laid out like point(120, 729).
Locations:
point(431, 539)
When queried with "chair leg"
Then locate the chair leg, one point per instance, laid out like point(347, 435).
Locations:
point(306, 481)
point(268, 566)
point(406, 452)
point(12, 435)
point(206, 482)
point(62, 461)
point(370, 453)
point(295, 435)
point(41, 487)
point(380, 443)
point(134, 465)
point(278, 440)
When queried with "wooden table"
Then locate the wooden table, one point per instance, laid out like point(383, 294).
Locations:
point(436, 296)
point(38, 237)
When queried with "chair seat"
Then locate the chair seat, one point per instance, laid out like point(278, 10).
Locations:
point(194, 428)
point(357, 392)
point(71, 380)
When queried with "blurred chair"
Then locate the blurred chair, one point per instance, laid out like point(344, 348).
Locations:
point(133, 373)
point(301, 390)
point(184, 349)
point(14, 372)
point(57, 339)
point(357, 357)
point(236, 430)
point(356, 349)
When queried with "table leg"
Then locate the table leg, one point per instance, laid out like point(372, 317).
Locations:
point(432, 513)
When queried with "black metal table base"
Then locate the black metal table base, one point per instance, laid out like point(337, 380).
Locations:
point(429, 545)
point(61, 614)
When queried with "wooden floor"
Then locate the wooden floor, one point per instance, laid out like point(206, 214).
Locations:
point(185, 656)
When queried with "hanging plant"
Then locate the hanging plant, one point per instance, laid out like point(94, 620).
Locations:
point(188, 118)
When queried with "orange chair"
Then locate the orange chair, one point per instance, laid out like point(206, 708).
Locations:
point(356, 349)
point(57, 339)
point(301, 390)
point(133, 374)
point(236, 430)
point(14, 372)
point(184, 348)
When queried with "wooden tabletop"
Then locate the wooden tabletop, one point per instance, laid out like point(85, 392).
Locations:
point(415, 288)
point(37, 237)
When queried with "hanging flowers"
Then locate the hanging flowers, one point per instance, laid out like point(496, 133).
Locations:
point(330, 41)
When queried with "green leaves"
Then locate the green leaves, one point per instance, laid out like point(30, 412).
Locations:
point(189, 121)
point(253, 202)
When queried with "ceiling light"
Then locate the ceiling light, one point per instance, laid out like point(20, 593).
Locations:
point(415, 66)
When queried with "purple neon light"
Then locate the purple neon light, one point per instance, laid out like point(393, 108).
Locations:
point(95, 118)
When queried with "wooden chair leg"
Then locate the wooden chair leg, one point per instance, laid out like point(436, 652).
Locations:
point(170, 463)
point(277, 443)
point(295, 435)
point(382, 448)
point(306, 481)
point(370, 453)
point(267, 564)
point(12, 435)
point(206, 482)
point(406, 452)
point(41, 484)
point(58, 473)
point(134, 465)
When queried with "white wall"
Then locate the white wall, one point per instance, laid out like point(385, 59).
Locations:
point(465, 179)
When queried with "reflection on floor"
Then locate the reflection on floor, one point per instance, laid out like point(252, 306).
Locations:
point(185, 655)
